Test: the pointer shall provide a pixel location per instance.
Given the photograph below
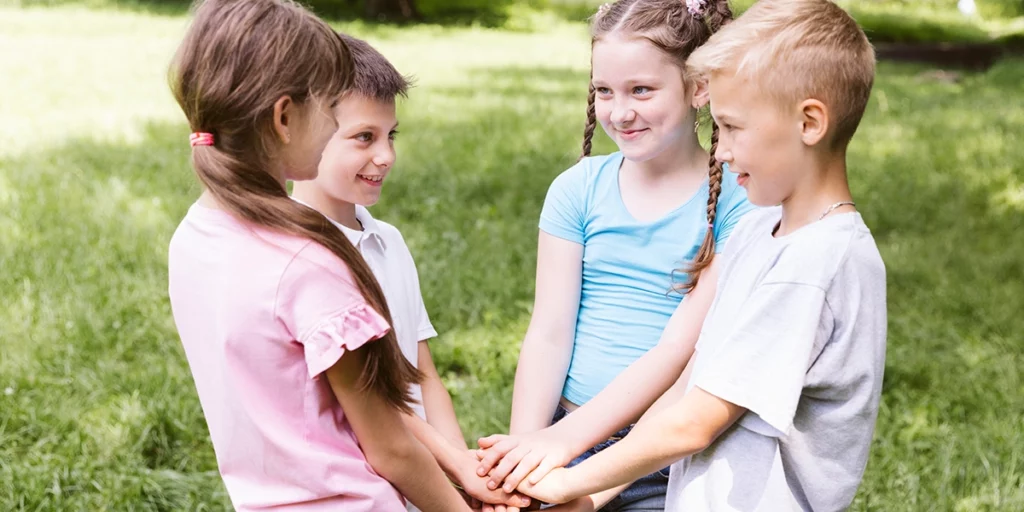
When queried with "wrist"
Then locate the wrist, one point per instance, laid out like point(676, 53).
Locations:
point(561, 433)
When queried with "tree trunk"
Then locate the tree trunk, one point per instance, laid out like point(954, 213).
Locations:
point(391, 10)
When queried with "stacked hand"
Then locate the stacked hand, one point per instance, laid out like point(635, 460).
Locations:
point(483, 498)
point(524, 462)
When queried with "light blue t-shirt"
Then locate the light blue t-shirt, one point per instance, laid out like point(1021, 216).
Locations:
point(625, 300)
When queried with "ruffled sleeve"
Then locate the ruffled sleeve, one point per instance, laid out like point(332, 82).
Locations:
point(319, 304)
point(327, 341)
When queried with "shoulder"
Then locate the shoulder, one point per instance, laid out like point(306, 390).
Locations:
point(818, 253)
point(588, 170)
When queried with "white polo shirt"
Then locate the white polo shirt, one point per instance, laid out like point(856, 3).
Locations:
point(384, 249)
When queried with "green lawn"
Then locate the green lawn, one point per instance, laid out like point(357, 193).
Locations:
point(97, 407)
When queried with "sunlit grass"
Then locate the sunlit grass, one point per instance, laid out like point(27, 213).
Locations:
point(97, 407)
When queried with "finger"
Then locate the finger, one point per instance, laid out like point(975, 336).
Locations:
point(495, 453)
point(541, 471)
point(518, 500)
point(489, 441)
point(507, 464)
point(487, 508)
point(522, 470)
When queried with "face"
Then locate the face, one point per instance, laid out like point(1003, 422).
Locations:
point(311, 128)
point(359, 156)
point(640, 101)
point(758, 139)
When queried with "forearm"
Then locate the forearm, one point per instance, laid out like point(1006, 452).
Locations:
point(540, 376)
point(444, 452)
point(625, 399)
point(650, 447)
point(438, 403)
point(416, 475)
point(602, 498)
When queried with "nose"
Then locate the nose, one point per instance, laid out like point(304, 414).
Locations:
point(384, 158)
point(723, 151)
point(622, 113)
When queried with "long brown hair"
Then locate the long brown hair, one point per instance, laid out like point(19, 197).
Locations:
point(671, 27)
point(237, 59)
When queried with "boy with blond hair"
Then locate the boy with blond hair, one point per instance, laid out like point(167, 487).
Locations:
point(777, 408)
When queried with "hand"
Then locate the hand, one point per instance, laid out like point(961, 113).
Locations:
point(491, 500)
point(554, 488)
point(532, 455)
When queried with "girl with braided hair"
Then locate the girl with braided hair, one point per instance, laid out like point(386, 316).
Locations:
point(625, 266)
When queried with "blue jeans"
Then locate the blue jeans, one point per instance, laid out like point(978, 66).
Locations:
point(646, 494)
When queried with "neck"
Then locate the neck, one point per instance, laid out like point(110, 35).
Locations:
point(686, 156)
point(813, 196)
point(341, 212)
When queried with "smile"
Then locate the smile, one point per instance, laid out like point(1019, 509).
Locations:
point(372, 180)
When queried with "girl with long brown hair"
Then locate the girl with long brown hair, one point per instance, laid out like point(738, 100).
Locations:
point(286, 331)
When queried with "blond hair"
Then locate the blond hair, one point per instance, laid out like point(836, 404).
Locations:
point(795, 50)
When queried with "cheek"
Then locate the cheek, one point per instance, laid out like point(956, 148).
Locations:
point(603, 111)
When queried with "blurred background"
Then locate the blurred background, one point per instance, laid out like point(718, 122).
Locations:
point(97, 406)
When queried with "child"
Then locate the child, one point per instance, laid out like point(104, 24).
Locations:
point(780, 403)
point(612, 231)
point(355, 164)
point(286, 331)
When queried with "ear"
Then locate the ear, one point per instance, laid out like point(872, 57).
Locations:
point(813, 121)
point(284, 118)
point(701, 93)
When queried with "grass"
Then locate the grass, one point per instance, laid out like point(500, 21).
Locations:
point(97, 407)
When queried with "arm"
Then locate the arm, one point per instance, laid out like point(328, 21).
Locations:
point(597, 500)
point(437, 402)
point(680, 430)
point(619, 404)
point(390, 448)
point(547, 347)
point(442, 436)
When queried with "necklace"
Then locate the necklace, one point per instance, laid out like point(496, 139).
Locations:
point(836, 205)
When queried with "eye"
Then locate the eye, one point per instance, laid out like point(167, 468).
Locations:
point(364, 137)
point(603, 91)
point(641, 90)
point(393, 135)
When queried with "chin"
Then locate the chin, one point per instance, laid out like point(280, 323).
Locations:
point(638, 154)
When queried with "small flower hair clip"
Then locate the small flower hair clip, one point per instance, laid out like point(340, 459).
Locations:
point(603, 9)
point(696, 7)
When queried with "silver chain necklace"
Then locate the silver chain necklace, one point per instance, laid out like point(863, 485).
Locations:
point(834, 206)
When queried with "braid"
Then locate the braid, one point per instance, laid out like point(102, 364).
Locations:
point(707, 249)
point(718, 14)
point(588, 130)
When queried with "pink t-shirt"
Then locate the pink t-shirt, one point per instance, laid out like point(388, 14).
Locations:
point(261, 316)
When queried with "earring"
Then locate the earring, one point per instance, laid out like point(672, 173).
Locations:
point(696, 126)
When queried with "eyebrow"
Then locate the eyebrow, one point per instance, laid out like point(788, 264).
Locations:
point(369, 127)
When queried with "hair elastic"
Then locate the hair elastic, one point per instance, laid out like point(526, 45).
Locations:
point(200, 139)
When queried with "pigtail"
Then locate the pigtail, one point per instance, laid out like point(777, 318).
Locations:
point(588, 130)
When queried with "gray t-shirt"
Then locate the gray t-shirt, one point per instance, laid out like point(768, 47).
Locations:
point(796, 335)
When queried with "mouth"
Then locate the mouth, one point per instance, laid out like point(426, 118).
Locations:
point(631, 134)
point(373, 181)
point(742, 178)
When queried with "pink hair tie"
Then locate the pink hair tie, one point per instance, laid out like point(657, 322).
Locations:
point(696, 7)
point(200, 139)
